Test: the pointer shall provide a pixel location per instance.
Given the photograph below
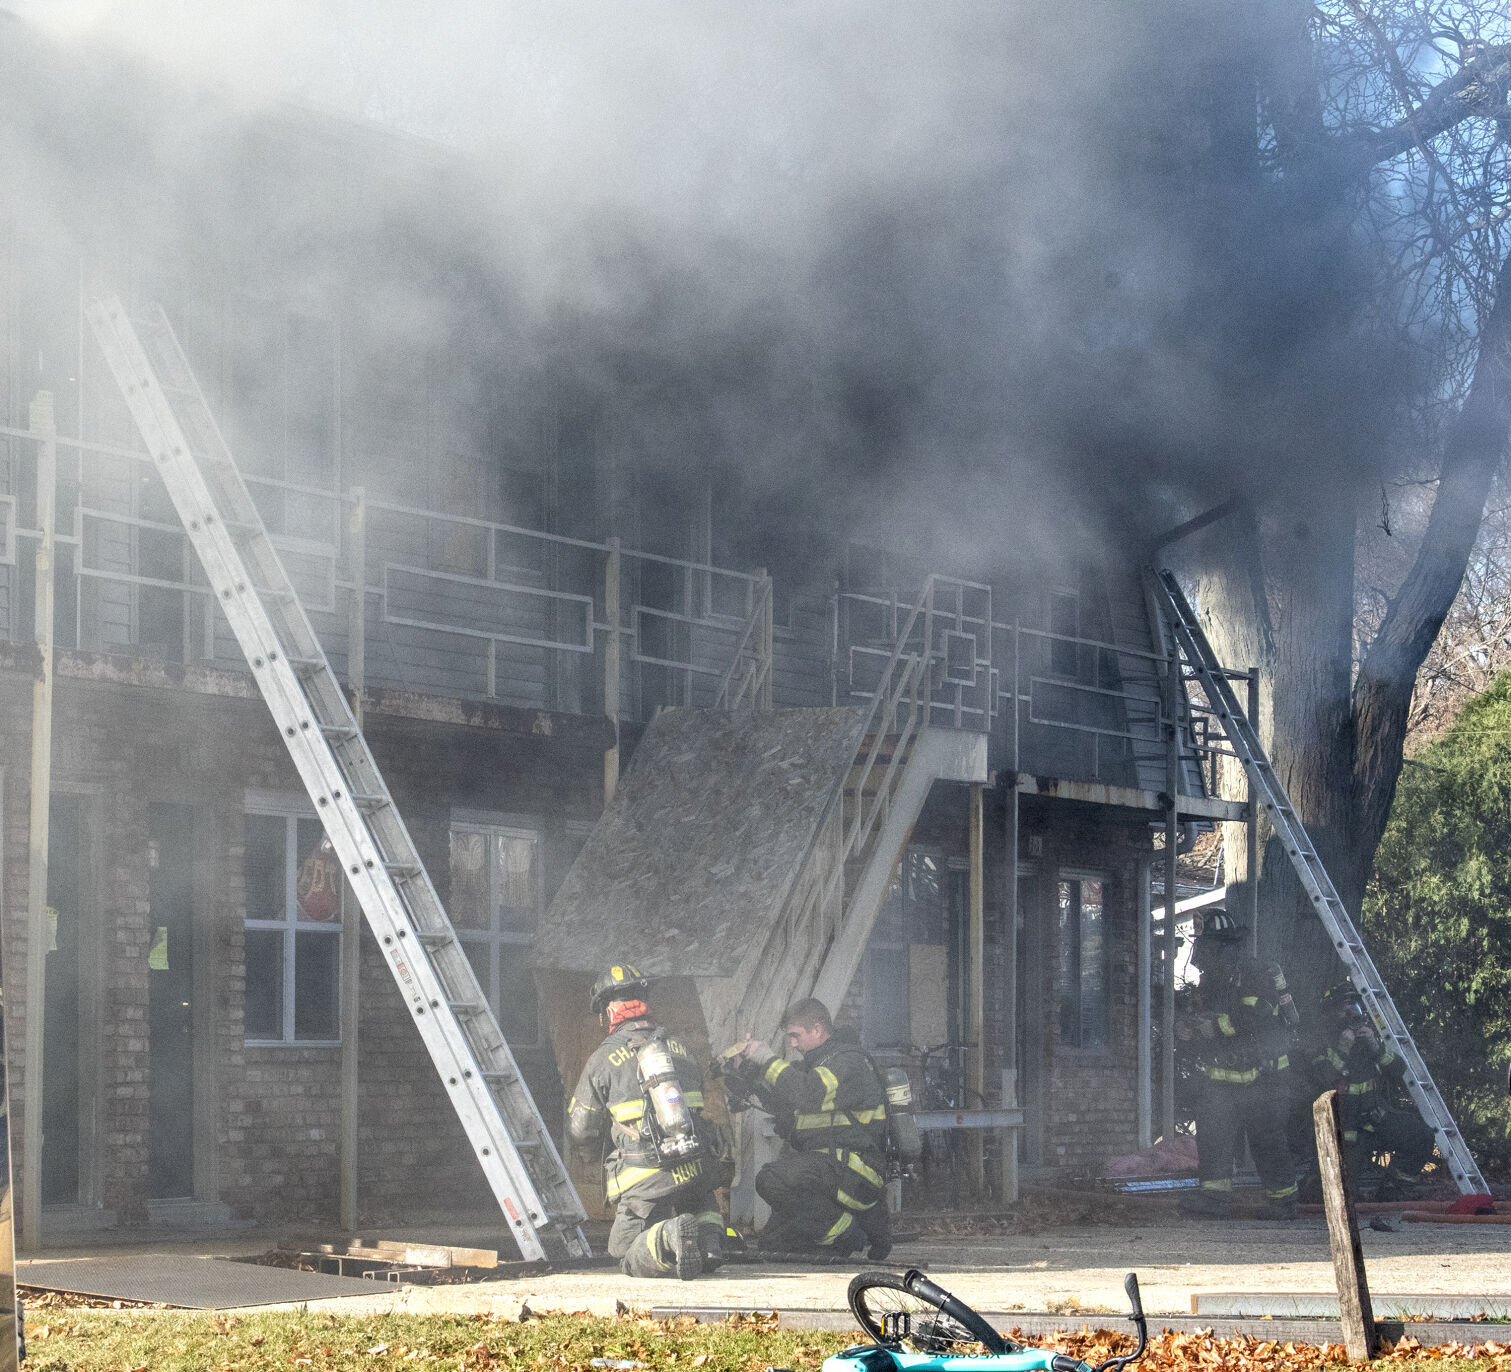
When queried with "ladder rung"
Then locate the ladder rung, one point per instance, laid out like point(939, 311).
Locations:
point(370, 803)
point(466, 1007)
point(305, 664)
point(340, 732)
point(435, 938)
point(402, 869)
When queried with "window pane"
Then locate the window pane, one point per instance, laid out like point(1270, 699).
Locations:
point(264, 1014)
point(517, 1014)
point(478, 952)
point(514, 884)
point(885, 1021)
point(469, 881)
point(1067, 956)
point(265, 871)
point(317, 993)
point(1064, 618)
point(317, 887)
point(1093, 967)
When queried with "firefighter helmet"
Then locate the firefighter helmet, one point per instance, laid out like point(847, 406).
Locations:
point(619, 982)
point(1222, 927)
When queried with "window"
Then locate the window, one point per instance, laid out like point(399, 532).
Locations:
point(1081, 964)
point(293, 928)
point(496, 892)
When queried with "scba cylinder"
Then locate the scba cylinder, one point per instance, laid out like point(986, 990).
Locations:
point(902, 1128)
point(673, 1124)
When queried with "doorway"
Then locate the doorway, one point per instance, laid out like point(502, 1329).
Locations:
point(170, 964)
point(64, 1086)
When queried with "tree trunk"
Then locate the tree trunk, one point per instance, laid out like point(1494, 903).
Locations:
point(1282, 599)
point(1387, 676)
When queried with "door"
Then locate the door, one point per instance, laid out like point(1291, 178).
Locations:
point(170, 964)
point(62, 1078)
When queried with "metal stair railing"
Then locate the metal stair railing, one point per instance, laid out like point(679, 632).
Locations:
point(326, 744)
point(747, 682)
point(1244, 741)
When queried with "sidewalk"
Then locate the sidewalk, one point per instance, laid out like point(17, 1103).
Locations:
point(1072, 1271)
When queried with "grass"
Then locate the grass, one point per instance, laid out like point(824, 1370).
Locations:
point(178, 1341)
point(141, 1340)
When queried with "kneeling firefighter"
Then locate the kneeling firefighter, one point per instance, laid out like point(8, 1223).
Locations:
point(826, 1188)
point(641, 1095)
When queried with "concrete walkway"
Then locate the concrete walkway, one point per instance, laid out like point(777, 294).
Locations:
point(1067, 1271)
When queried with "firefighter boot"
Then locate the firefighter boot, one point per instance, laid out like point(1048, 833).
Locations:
point(1207, 1203)
point(1282, 1208)
point(681, 1236)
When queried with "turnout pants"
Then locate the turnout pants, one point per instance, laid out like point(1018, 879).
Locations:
point(823, 1199)
point(1229, 1112)
point(637, 1238)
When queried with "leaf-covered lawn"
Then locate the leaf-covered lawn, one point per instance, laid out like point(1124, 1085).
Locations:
point(177, 1341)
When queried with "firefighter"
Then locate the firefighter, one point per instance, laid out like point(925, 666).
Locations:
point(1349, 1056)
point(1240, 1032)
point(826, 1188)
point(641, 1095)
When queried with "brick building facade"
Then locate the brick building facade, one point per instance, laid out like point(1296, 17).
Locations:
point(202, 1009)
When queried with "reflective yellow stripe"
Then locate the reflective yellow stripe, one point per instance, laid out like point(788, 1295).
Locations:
point(1282, 1062)
point(1335, 1060)
point(774, 1069)
point(1226, 1025)
point(1251, 1001)
point(836, 1229)
point(850, 1203)
point(1238, 1078)
point(831, 1086)
point(628, 1110)
point(651, 1239)
point(1225, 1185)
point(1360, 1088)
point(831, 1119)
point(1282, 1194)
point(693, 1099)
point(631, 1176)
point(858, 1164)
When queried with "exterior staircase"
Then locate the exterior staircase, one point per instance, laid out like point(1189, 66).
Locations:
point(751, 851)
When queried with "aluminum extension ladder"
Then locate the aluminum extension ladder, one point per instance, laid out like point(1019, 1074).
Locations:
point(381, 863)
point(1314, 878)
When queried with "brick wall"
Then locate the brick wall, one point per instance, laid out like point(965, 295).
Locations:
point(275, 1115)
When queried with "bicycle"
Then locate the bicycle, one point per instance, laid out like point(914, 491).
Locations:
point(943, 1170)
point(917, 1326)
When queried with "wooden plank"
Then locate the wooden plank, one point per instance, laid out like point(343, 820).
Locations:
point(1359, 1335)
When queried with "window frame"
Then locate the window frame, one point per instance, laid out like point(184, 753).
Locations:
point(1077, 877)
point(492, 826)
point(291, 809)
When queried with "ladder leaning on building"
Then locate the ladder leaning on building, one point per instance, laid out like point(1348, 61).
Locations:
point(327, 747)
point(1202, 662)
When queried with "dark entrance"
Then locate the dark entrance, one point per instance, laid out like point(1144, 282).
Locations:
point(170, 890)
point(62, 1079)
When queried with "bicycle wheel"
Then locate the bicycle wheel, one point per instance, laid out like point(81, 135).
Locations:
point(911, 1311)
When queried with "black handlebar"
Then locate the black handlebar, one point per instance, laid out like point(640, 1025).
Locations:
point(1130, 1285)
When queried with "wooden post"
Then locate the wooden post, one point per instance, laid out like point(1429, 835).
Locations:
point(356, 614)
point(44, 431)
point(977, 998)
point(351, 910)
point(1359, 1336)
point(1171, 694)
point(1251, 825)
point(611, 686)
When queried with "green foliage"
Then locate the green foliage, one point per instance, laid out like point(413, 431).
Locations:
point(1438, 915)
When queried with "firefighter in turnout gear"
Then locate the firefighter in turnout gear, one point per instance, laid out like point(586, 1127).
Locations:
point(1348, 1055)
point(826, 1189)
point(640, 1096)
point(1240, 1035)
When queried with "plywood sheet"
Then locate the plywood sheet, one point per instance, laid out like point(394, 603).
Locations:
point(690, 867)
